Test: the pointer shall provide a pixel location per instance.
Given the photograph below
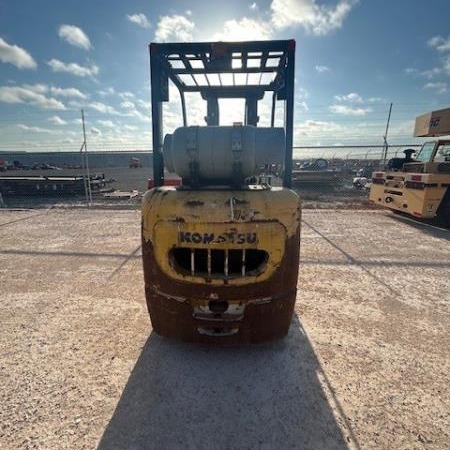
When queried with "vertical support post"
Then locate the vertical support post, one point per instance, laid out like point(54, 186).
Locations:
point(192, 261)
point(251, 111)
point(86, 163)
point(85, 184)
point(156, 77)
point(274, 103)
point(225, 263)
point(212, 111)
point(289, 114)
point(183, 107)
point(385, 146)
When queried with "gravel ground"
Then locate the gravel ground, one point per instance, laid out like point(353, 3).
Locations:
point(365, 366)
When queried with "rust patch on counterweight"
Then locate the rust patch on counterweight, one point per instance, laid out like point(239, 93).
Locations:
point(265, 307)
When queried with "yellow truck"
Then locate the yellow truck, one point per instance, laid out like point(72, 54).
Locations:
point(221, 249)
point(419, 186)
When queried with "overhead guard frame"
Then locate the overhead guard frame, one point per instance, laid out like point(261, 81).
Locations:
point(181, 61)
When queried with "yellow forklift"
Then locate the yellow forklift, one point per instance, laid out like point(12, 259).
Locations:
point(419, 185)
point(221, 251)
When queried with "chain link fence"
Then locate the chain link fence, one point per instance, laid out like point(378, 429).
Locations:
point(340, 176)
point(324, 176)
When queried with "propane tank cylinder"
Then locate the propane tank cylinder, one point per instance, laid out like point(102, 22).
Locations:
point(216, 149)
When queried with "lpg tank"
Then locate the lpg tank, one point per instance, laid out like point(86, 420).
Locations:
point(215, 150)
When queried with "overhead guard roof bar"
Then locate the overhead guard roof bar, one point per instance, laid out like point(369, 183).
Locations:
point(268, 66)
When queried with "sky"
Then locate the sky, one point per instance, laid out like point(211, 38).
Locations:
point(354, 58)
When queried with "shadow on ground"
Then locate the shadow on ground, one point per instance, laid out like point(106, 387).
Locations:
point(437, 229)
point(183, 396)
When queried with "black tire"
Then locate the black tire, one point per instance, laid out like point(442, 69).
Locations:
point(443, 212)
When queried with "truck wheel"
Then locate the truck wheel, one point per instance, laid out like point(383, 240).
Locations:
point(443, 213)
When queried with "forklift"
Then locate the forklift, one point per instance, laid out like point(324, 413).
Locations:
point(221, 249)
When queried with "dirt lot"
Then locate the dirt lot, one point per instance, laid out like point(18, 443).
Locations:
point(126, 179)
point(366, 364)
point(320, 196)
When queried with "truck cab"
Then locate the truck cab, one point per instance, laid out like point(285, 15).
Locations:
point(434, 151)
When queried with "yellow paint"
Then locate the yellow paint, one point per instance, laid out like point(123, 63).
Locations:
point(419, 202)
point(274, 215)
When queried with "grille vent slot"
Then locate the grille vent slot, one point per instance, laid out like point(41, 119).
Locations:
point(218, 263)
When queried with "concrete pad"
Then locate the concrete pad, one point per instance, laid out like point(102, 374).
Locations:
point(365, 365)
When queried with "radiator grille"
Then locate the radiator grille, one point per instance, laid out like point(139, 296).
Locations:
point(218, 263)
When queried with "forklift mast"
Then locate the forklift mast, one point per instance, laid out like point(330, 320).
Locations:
point(223, 70)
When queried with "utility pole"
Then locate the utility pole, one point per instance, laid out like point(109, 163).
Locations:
point(87, 177)
point(385, 148)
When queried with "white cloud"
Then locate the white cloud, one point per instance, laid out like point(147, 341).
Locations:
point(139, 19)
point(431, 73)
point(75, 69)
point(37, 88)
point(75, 104)
point(137, 114)
point(314, 128)
point(440, 88)
point(439, 43)
point(312, 124)
point(447, 65)
point(16, 56)
point(174, 28)
point(346, 110)
point(29, 94)
point(253, 6)
point(68, 92)
point(23, 127)
point(106, 92)
point(243, 30)
point(322, 69)
point(56, 120)
point(106, 123)
point(125, 95)
point(302, 106)
point(26, 144)
point(376, 100)
point(144, 104)
point(410, 70)
point(101, 107)
point(127, 105)
point(302, 93)
point(74, 36)
point(314, 18)
point(130, 127)
point(96, 131)
point(353, 97)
